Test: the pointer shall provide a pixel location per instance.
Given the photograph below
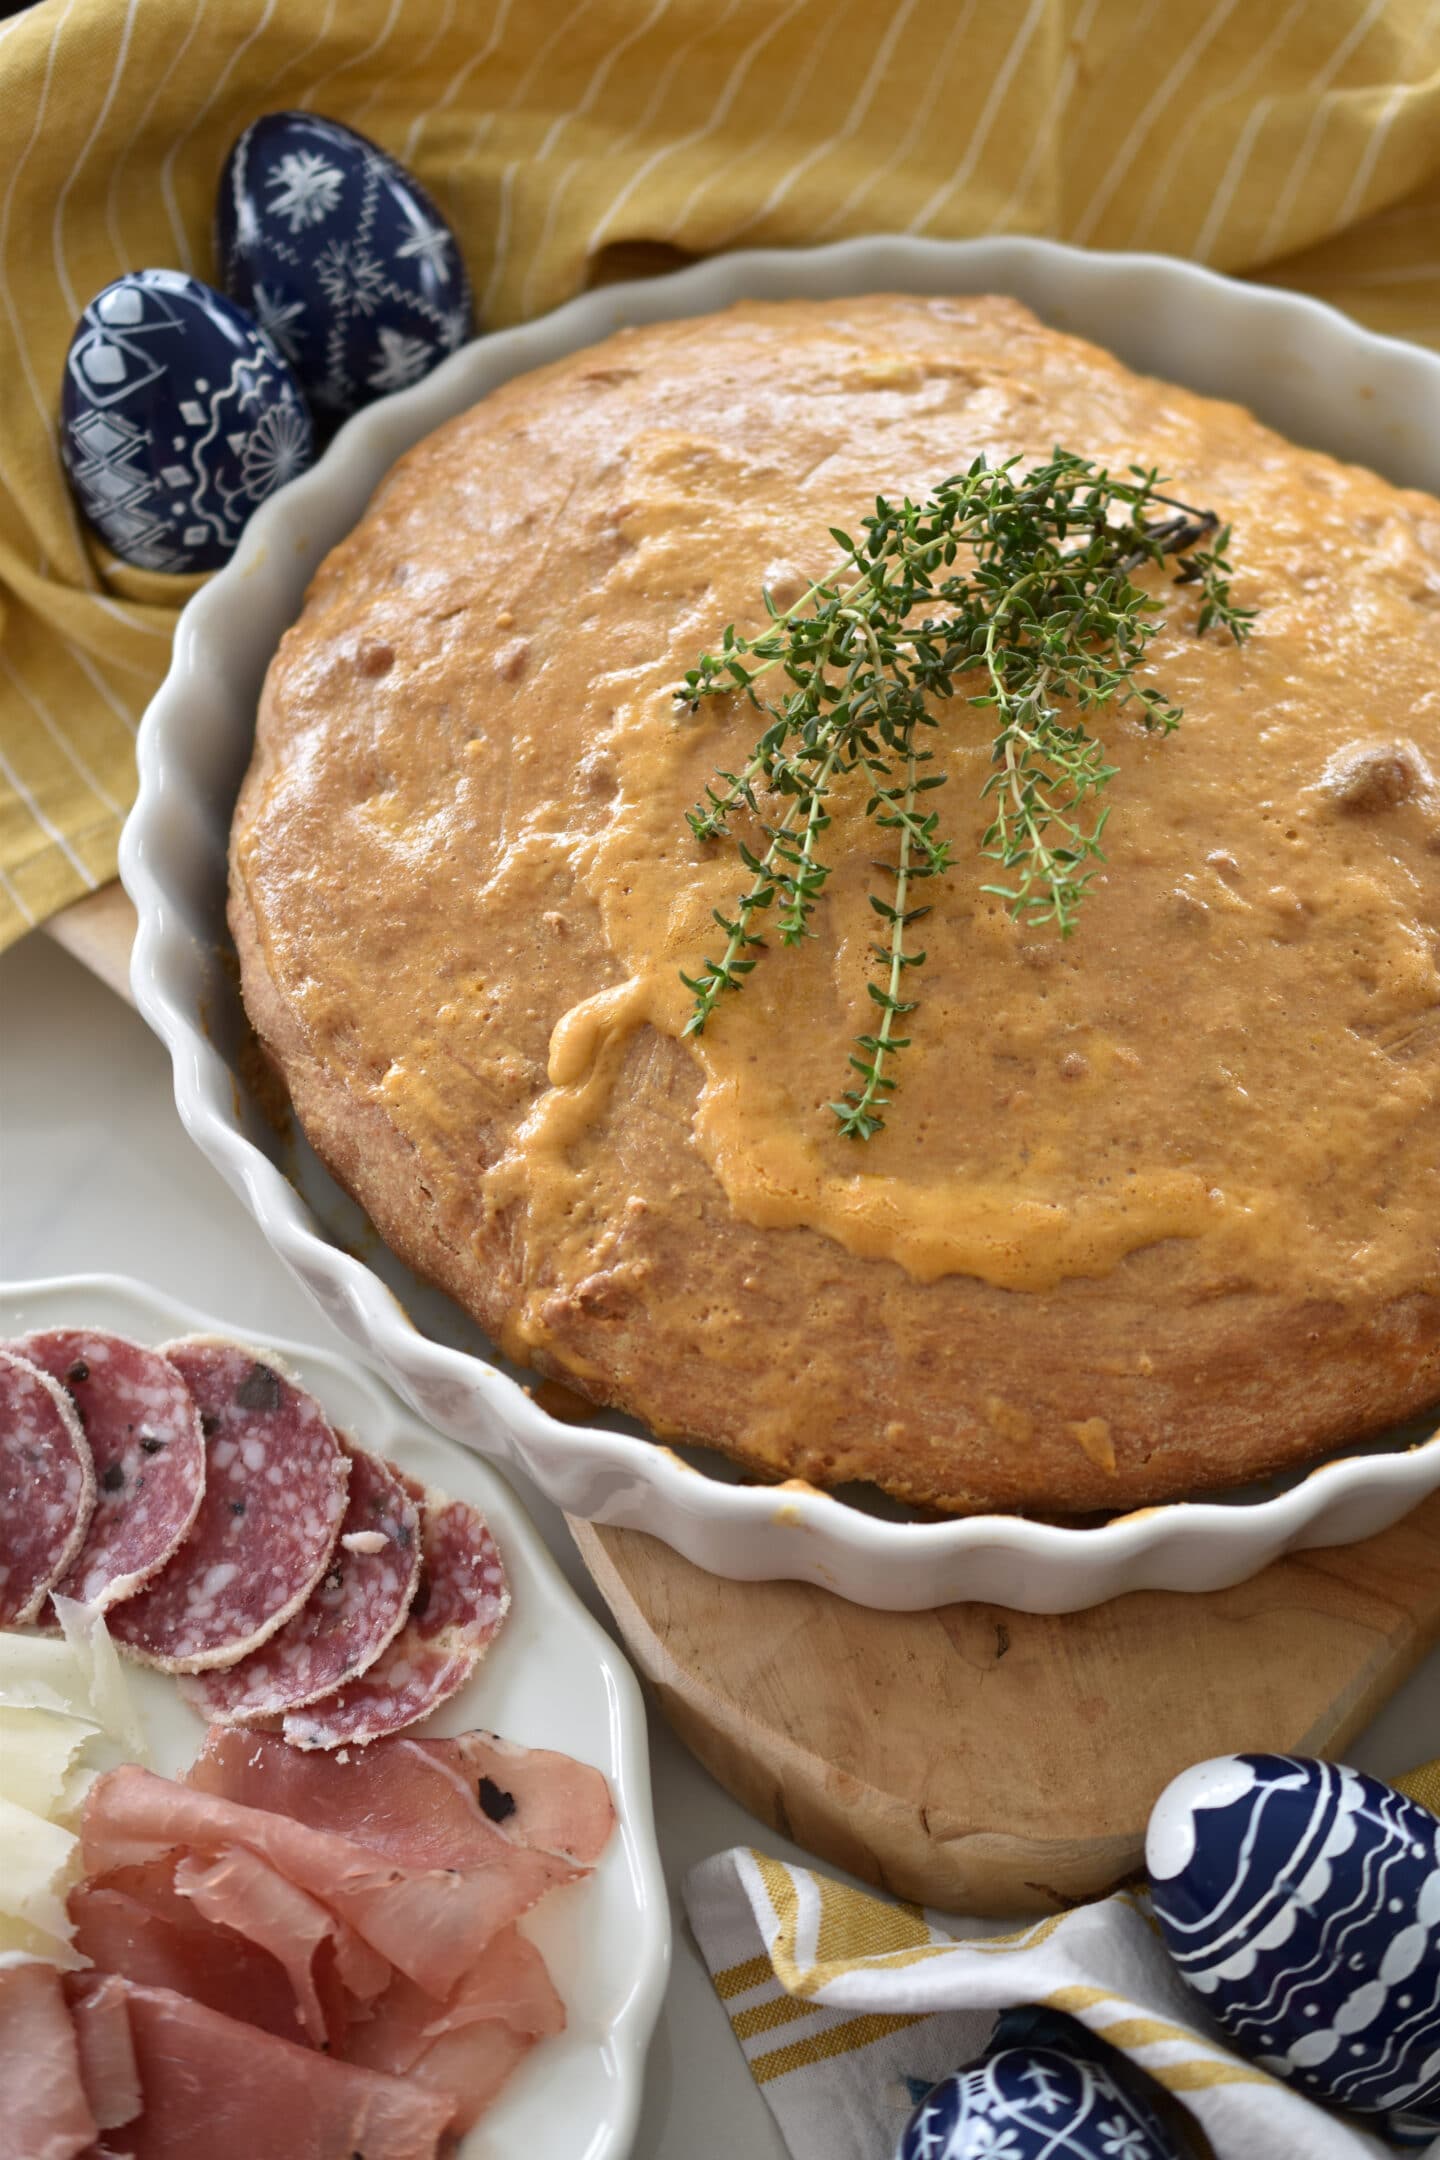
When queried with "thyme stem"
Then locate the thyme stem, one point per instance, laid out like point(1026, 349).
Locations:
point(1022, 578)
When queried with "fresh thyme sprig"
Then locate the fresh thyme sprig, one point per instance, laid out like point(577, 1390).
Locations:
point(1024, 579)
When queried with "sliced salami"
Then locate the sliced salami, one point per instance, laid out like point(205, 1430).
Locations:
point(144, 1436)
point(47, 1487)
point(275, 1480)
point(353, 1614)
point(458, 1608)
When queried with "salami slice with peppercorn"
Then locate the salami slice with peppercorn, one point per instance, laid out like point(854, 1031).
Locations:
point(144, 1436)
point(47, 1487)
point(275, 1489)
point(351, 1616)
point(461, 1600)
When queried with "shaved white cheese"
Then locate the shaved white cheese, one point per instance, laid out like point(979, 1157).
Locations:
point(38, 1749)
point(102, 1676)
point(40, 1672)
point(42, 1861)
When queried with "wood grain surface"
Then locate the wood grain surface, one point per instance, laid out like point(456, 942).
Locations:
point(973, 1758)
point(988, 1761)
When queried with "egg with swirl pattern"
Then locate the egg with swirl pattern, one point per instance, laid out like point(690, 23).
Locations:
point(177, 419)
point(1301, 1901)
point(342, 257)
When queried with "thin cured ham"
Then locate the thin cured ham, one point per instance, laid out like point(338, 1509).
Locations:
point(108, 2069)
point(468, 2045)
point(216, 2087)
point(134, 1921)
point(238, 1891)
point(429, 1920)
point(45, 2115)
point(143, 1432)
point(533, 1796)
point(363, 1910)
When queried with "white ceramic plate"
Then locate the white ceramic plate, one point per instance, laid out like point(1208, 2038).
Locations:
point(553, 1679)
point(1299, 365)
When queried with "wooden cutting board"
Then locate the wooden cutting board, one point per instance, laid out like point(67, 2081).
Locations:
point(973, 1758)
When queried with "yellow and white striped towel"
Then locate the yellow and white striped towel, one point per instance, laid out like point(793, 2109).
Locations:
point(572, 141)
point(845, 2003)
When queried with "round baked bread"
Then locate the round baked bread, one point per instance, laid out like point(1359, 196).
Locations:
point(1156, 1207)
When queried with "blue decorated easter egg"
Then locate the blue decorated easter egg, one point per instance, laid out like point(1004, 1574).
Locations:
point(342, 257)
point(1301, 1901)
point(1032, 2103)
point(177, 418)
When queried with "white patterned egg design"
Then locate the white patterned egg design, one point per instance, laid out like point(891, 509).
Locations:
point(177, 419)
point(1032, 2103)
point(342, 256)
point(1301, 1901)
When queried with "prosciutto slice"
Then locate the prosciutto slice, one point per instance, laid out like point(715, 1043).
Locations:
point(134, 1921)
point(419, 1801)
point(533, 1796)
point(241, 1892)
point(467, 2046)
point(217, 2088)
point(429, 1920)
point(360, 1910)
point(45, 2115)
point(108, 2069)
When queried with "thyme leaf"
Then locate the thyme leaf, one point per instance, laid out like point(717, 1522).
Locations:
point(1024, 580)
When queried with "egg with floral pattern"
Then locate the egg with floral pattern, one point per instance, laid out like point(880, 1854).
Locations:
point(342, 257)
point(1033, 2103)
point(177, 419)
point(1301, 1901)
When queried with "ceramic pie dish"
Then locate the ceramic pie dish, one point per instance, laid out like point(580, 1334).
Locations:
point(1185, 325)
point(553, 1679)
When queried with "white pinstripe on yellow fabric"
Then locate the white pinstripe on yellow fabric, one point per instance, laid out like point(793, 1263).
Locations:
point(58, 736)
point(137, 135)
point(1202, 117)
point(854, 120)
point(167, 163)
point(1150, 113)
point(57, 226)
point(723, 107)
point(1294, 180)
point(989, 113)
point(556, 194)
point(802, 78)
point(839, 218)
point(51, 832)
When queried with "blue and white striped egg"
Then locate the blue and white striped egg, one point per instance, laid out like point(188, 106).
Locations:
point(342, 256)
point(1301, 1901)
point(1032, 2103)
point(177, 419)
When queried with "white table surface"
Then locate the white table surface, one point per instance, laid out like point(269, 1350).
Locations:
point(96, 1174)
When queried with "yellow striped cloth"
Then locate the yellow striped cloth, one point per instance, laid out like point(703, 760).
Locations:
point(847, 2006)
point(576, 140)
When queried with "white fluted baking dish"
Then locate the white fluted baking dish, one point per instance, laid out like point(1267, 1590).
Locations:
point(1302, 367)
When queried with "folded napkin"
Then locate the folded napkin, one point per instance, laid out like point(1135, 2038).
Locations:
point(572, 141)
point(848, 2007)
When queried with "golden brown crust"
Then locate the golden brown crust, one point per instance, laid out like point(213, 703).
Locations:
point(371, 956)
